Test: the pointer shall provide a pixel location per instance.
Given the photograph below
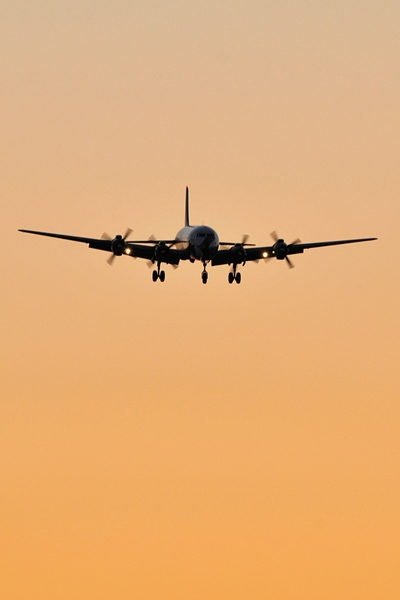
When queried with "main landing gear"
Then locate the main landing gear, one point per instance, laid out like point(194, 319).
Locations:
point(233, 276)
point(157, 274)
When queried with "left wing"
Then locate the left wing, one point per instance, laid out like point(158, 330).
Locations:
point(280, 250)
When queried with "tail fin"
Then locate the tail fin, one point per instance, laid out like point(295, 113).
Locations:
point(187, 224)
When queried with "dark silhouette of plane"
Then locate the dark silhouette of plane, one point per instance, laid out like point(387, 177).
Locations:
point(196, 243)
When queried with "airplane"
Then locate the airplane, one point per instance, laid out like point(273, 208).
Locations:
point(196, 243)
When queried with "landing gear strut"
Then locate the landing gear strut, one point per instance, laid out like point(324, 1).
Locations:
point(234, 276)
point(157, 274)
point(204, 275)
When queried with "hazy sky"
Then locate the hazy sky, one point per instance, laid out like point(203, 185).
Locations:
point(177, 440)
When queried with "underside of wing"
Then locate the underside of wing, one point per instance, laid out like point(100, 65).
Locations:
point(99, 244)
point(160, 252)
point(150, 249)
point(237, 254)
point(280, 250)
point(333, 243)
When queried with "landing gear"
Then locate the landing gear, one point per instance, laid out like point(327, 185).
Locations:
point(157, 274)
point(233, 276)
point(204, 275)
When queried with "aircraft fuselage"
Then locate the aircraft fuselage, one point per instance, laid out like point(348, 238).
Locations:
point(201, 241)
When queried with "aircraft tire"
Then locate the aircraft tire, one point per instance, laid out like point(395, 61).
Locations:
point(238, 277)
point(155, 275)
point(162, 276)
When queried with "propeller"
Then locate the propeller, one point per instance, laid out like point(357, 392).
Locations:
point(118, 244)
point(161, 251)
point(238, 251)
point(289, 262)
point(153, 239)
point(174, 243)
point(245, 237)
point(280, 249)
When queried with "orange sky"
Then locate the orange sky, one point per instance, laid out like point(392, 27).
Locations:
point(177, 440)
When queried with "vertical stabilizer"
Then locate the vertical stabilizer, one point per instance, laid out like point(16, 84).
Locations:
point(187, 224)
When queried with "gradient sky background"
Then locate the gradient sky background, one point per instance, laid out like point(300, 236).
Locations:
point(184, 441)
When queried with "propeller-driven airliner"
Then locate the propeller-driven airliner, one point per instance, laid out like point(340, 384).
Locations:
point(196, 243)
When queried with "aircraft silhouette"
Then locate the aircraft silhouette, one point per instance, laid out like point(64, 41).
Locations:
point(196, 243)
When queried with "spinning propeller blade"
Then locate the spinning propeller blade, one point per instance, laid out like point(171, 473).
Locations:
point(274, 236)
point(289, 262)
point(281, 249)
point(117, 244)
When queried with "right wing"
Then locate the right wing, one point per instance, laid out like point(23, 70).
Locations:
point(118, 246)
point(99, 244)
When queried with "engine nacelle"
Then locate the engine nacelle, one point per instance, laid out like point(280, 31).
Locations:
point(161, 252)
point(118, 245)
point(280, 250)
point(238, 254)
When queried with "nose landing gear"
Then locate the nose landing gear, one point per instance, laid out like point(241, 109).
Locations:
point(204, 275)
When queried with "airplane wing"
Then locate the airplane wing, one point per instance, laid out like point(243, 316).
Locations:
point(99, 244)
point(162, 251)
point(278, 250)
point(118, 245)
